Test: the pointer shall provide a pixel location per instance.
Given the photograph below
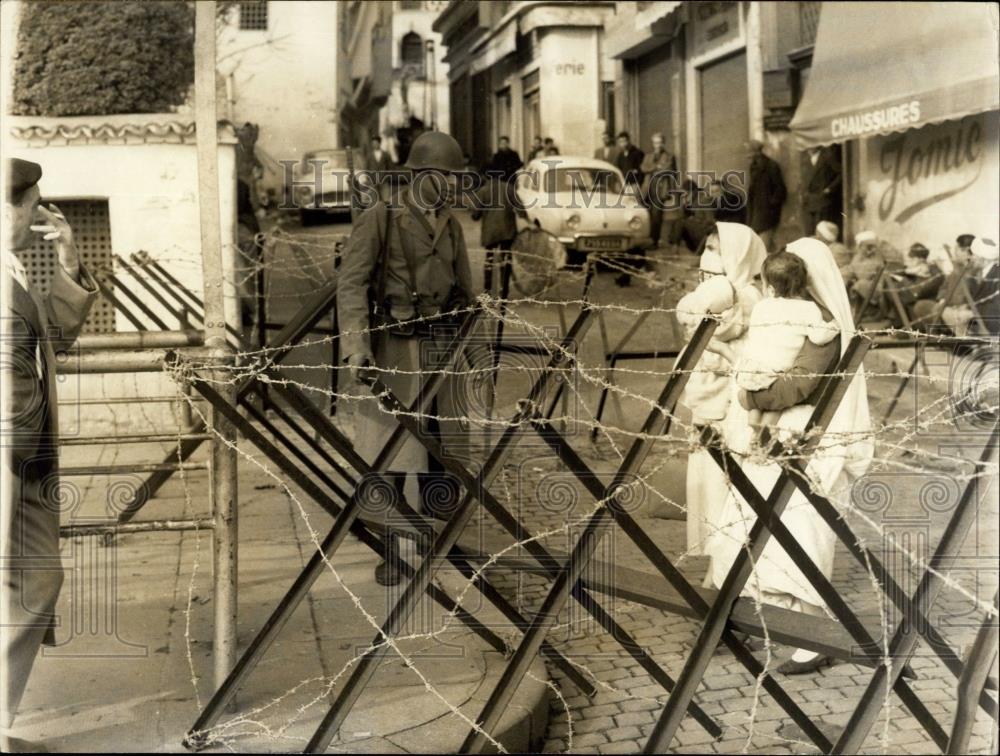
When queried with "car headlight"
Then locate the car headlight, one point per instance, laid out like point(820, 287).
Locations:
point(573, 221)
point(635, 222)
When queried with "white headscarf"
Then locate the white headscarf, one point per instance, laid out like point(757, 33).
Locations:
point(826, 285)
point(742, 253)
point(740, 256)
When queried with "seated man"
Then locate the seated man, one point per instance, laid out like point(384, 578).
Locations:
point(919, 279)
point(978, 278)
point(827, 232)
point(861, 274)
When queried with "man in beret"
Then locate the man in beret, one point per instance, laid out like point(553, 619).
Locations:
point(861, 274)
point(35, 327)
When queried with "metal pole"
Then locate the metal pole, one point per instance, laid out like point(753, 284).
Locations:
point(208, 172)
point(970, 685)
point(905, 638)
point(223, 450)
point(739, 573)
point(225, 541)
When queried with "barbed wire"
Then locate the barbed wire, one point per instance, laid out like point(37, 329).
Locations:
point(898, 444)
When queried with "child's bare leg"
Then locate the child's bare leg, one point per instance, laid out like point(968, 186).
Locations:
point(769, 418)
point(756, 416)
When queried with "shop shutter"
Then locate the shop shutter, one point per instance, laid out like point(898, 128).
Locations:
point(725, 115)
point(653, 74)
point(91, 224)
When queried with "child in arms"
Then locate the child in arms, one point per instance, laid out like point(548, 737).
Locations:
point(779, 326)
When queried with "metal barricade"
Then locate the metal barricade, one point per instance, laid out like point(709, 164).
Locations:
point(145, 352)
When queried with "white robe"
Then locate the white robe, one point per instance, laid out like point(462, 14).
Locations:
point(710, 387)
point(842, 455)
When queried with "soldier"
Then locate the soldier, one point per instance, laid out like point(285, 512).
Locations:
point(412, 256)
point(34, 327)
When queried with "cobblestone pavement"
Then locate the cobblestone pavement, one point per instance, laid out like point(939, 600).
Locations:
point(913, 511)
point(907, 504)
point(539, 490)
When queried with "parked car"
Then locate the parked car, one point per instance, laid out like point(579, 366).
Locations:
point(584, 203)
point(332, 181)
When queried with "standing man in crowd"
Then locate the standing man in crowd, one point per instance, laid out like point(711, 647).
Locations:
point(495, 203)
point(661, 186)
point(766, 194)
point(629, 160)
point(821, 199)
point(413, 259)
point(607, 152)
point(34, 328)
point(537, 149)
point(505, 162)
point(380, 167)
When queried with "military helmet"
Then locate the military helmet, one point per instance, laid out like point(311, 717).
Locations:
point(435, 150)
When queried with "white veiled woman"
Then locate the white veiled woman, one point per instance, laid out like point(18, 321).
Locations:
point(844, 453)
point(731, 261)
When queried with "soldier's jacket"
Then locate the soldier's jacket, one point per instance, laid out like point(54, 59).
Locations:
point(440, 261)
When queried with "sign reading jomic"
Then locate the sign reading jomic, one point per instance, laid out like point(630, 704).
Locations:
point(875, 121)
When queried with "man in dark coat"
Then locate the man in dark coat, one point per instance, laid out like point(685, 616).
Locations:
point(821, 198)
point(35, 327)
point(495, 202)
point(537, 149)
point(766, 194)
point(629, 159)
point(506, 162)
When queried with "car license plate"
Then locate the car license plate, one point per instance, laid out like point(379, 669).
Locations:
point(602, 242)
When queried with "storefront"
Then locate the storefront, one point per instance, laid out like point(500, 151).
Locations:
point(923, 161)
point(650, 91)
point(725, 109)
point(660, 88)
point(725, 114)
point(534, 69)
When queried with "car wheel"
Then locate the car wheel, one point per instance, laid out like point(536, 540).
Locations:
point(311, 217)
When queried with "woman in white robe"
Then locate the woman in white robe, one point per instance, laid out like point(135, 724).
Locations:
point(843, 455)
point(729, 264)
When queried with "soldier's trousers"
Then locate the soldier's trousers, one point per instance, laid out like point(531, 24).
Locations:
point(424, 485)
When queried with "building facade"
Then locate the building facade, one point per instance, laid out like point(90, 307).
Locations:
point(394, 81)
point(279, 65)
point(418, 95)
point(525, 70)
point(711, 76)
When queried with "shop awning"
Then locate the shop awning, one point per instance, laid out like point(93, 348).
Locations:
point(884, 67)
point(648, 30)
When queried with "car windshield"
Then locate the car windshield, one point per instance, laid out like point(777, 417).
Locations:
point(329, 158)
point(581, 179)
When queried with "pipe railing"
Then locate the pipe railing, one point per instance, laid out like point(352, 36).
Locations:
point(145, 352)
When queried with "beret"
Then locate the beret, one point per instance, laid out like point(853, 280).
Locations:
point(827, 231)
point(21, 176)
point(986, 249)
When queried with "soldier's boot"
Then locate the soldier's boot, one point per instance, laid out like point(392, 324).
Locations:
point(387, 572)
